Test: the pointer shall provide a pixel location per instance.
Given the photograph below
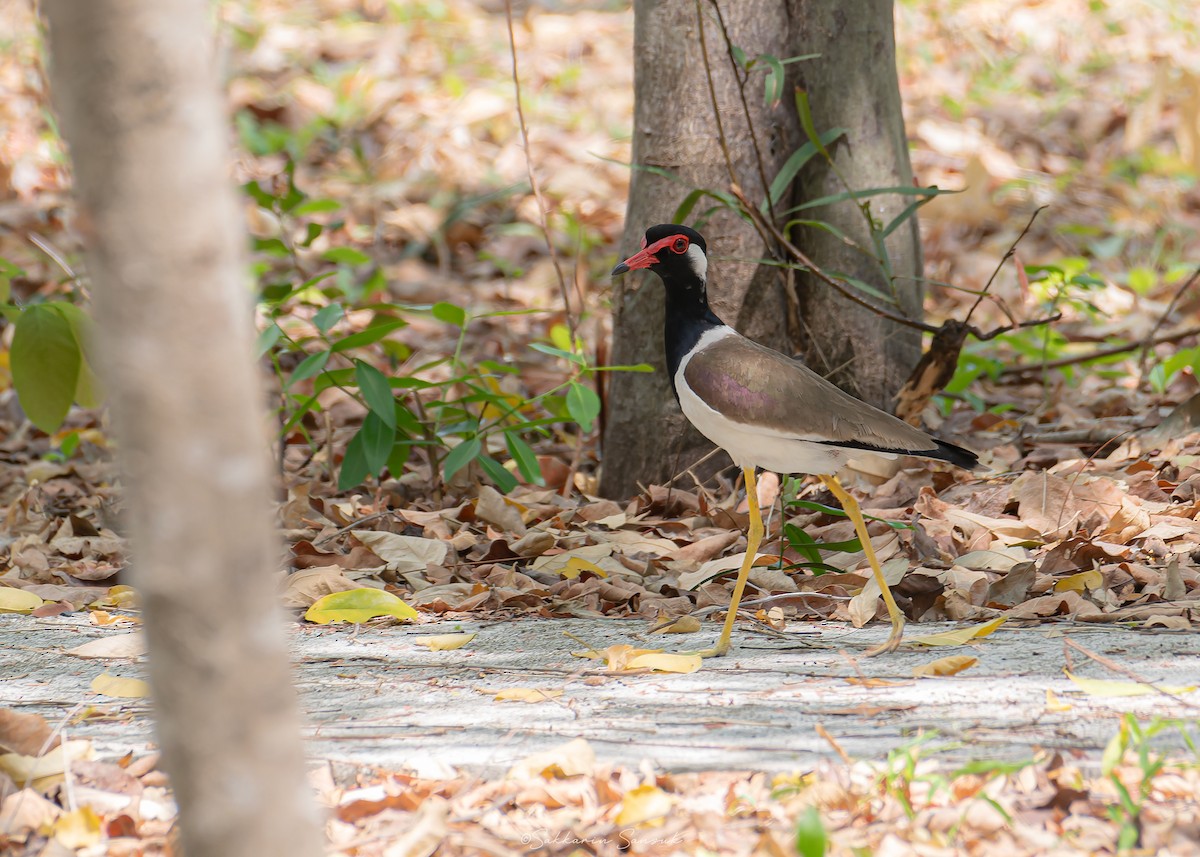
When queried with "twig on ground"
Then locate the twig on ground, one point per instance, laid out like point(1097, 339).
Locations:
point(1113, 666)
point(837, 748)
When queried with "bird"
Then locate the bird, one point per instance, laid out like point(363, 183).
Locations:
point(767, 410)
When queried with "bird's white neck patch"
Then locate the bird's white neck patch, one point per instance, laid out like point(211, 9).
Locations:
point(699, 262)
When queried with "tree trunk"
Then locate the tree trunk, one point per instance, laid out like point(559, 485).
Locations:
point(646, 438)
point(854, 86)
point(141, 110)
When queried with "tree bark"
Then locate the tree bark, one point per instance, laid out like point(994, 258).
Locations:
point(646, 438)
point(854, 86)
point(141, 110)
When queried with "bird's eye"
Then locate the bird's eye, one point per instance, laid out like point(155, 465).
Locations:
point(680, 244)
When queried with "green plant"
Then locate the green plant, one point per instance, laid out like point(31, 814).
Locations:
point(50, 357)
point(456, 410)
point(1127, 812)
point(811, 838)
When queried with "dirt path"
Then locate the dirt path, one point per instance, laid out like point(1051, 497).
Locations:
point(375, 697)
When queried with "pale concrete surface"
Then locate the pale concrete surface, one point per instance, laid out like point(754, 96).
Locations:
point(374, 697)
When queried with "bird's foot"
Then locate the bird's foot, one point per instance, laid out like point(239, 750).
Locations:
point(891, 643)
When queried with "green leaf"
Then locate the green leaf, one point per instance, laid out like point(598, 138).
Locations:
point(266, 339)
point(583, 405)
point(377, 392)
point(377, 441)
point(316, 206)
point(46, 361)
point(901, 190)
point(773, 92)
point(357, 605)
point(862, 286)
point(271, 246)
point(345, 256)
point(461, 456)
point(525, 458)
point(787, 173)
point(634, 367)
point(327, 317)
point(309, 366)
point(557, 352)
point(400, 453)
point(87, 388)
point(450, 313)
point(504, 480)
point(369, 336)
point(806, 120)
point(811, 838)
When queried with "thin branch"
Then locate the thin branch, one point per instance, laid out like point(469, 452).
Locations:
point(741, 76)
point(816, 271)
point(1148, 342)
point(533, 182)
point(1103, 352)
point(1012, 250)
point(712, 94)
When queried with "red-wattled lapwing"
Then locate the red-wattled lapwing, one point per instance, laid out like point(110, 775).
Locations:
point(765, 409)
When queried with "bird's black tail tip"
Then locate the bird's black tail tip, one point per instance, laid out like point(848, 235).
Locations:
point(956, 455)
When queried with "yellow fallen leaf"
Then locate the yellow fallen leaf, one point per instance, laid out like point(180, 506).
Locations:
point(43, 770)
point(119, 686)
point(103, 617)
point(951, 665)
point(1053, 704)
point(577, 564)
point(682, 625)
point(643, 805)
point(566, 760)
point(79, 828)
point(960, 636)
point(665, 662)
point(445, 642)
point(526, 694)
point(18, 600)
point(357, 605)
point(130, 645)
point(1105, 687)
point(615, 657)
point(1079, 582)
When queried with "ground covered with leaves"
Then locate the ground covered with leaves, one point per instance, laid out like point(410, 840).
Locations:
point(397, 236)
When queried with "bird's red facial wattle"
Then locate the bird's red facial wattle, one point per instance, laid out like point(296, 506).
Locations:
point(648, 256)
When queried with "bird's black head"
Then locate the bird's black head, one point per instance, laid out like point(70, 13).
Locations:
point(677, 254)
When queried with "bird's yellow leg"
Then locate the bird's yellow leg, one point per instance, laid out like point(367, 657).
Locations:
point(753, 539)
point(850, 505)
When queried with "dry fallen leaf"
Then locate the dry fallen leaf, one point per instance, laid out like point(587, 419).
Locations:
point(131, 645)
point(119, 686)
point(26, 734)
point(444, 642)
point(566, 760)
point(1080, 582)
point(403, 553)
point(358, 605)
point(645, 804)
point(1112, 688)
point(951, 665)
point(960, 636)
point(18, 600)
point(79, 828)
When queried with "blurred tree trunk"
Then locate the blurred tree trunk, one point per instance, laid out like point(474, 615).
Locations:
point(853, 85)
point(142, 112)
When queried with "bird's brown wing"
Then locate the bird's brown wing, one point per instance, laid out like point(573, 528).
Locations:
point(762, 389)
